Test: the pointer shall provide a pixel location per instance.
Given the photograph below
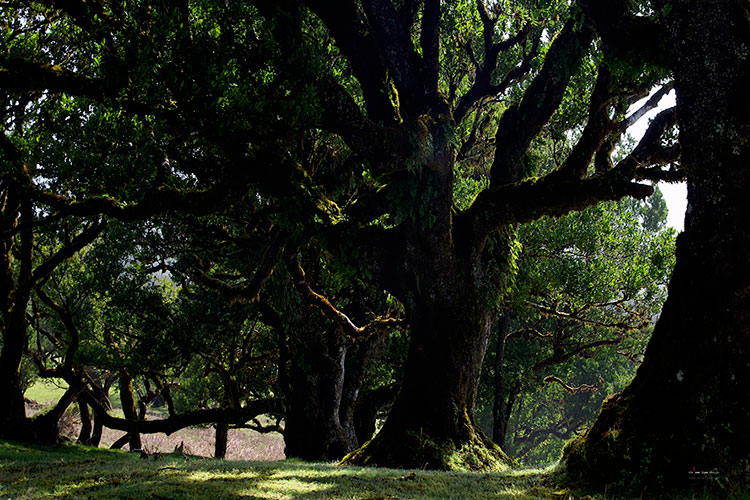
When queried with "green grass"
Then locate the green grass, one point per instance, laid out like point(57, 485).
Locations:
point(74, 472)
point(49, 391)
point(46, 391)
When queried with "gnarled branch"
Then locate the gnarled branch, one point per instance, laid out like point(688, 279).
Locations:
point(173, 423)
point(551, 379)
point(332, 312)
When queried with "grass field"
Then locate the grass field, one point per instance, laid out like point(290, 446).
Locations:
point(73, 472)
point(46, 391)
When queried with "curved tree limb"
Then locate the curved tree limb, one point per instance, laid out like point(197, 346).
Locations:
point(173, 423)
point(562, 357)
point(482, 85)
point(332, 312)
point(250, 291)
point(345, 24)
point(557, 193)
point(551, 379)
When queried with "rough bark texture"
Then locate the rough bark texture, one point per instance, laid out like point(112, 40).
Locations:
point(127, 399)
point(432, 422)
point(686, 411)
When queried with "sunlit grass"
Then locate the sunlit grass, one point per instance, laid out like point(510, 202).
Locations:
point(46, 391)
point(74, 472)
point(49, 391)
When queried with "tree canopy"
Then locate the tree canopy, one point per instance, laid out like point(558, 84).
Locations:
point(269, 197)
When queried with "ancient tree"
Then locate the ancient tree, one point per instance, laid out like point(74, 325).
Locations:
point(435, 107)
point(449, 264)
point(686, 410)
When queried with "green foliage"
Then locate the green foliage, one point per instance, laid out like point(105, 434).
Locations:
point(205, 94)
point(589, 287)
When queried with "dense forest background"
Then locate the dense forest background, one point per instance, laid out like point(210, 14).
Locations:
point(402, 233)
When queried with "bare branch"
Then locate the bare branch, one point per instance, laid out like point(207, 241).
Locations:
point(562, 357)
point(650, 104)
point(83, 239)
point(236, 416)
point(482, 85)
point(581, 388)
point(577, 316)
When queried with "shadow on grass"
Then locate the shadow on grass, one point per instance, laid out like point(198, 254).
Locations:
point(74, 472)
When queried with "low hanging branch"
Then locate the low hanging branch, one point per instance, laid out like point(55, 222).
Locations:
point(173, 423)
point(562, 357)
point(551, 379)
point(577, 316)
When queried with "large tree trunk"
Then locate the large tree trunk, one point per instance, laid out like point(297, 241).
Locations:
point(15, 274)
point(432, 422)
point(685, 416)
point(450, 296)
point(326, 370)
point(314, 428)
point(13, 422)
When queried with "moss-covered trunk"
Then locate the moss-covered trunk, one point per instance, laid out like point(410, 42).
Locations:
point(444, 289)
point(432, 422)
point(127, 399)
point(684, 418)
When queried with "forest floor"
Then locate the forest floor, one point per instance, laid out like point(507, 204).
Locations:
point(255, 469)
point(73, 472)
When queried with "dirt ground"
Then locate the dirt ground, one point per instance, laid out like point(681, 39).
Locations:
point(242, 444)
